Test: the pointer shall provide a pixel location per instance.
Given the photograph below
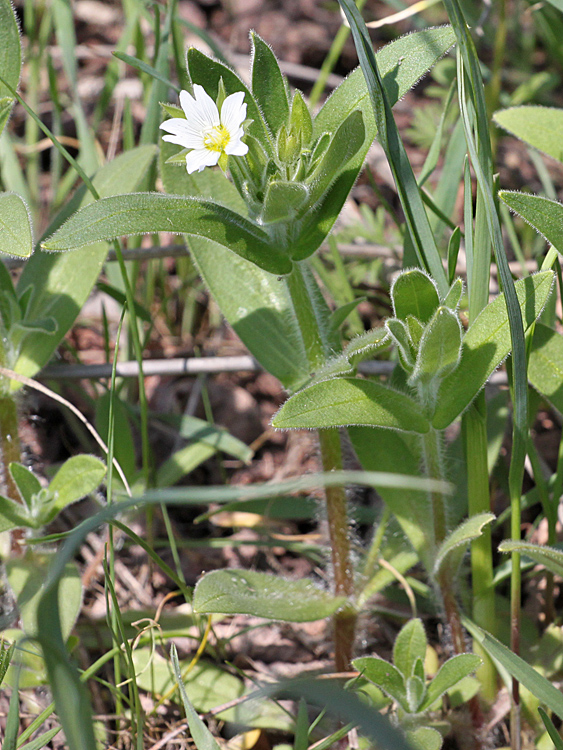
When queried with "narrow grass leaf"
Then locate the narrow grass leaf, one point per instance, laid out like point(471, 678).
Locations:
point(551, 730)
point(536, 683)
point(388, 135)
point(41, 741)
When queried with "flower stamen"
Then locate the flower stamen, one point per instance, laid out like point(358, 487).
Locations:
point(217, 139)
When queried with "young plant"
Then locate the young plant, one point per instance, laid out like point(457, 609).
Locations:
point(405, 682)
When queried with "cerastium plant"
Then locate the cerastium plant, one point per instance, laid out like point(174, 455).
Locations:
point(251, 237)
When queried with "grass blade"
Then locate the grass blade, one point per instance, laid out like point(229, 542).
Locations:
point(388, 135)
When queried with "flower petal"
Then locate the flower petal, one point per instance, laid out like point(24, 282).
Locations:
point(201, 158)
point(233, 112)
point(182, 134)
point(236, 148)
point(206, 106)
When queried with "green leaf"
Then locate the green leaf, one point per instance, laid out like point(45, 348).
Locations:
point(402, 64)
point(13, 515)
point(202, 737)
point(77, 477)
point(62, 283)
point(146, 213)
point(339, 315)
point(449, 674)
point(541, 127)
point(351, 401)
point(453, 297)
point(124, 445)
point(266, 321)
point(536, 683)
point(344, 145)
point(399, 332)
point(10, 58)
point(15, 226)
point(425, 738)
point(249, 592)
point(410, 645)
point(26, 576)
point(385, 676)
point(485, 345)
point(414, 293)
point(546, 216)
point(268, 85)
point(440, 347)
point(416, 690)
point(545, 369)
point(194, 429)
point(466, 532)
point(183, 462)
point(551, 730)
point(551, 558)
point(27, 483)
point(41, 740)
point(208, 73)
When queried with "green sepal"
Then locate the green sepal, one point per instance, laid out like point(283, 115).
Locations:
point(173, 110)
point(179, 158)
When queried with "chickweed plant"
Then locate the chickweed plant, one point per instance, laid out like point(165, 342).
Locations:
point(252, 178)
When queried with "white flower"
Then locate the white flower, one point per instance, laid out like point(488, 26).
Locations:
point(204, 131)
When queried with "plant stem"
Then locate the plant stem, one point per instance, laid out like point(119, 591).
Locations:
point(474, 426)
point(337, 515)
point(344, 621)
point(9, 445)
point(432, 455)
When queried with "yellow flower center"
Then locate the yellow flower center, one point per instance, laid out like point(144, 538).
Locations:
point(217, 139)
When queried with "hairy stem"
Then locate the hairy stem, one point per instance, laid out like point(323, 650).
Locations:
point(344, 621)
